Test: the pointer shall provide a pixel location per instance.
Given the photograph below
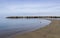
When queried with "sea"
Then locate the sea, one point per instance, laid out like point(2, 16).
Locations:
point(9, 27)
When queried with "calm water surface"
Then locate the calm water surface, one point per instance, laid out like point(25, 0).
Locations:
point(12, 26)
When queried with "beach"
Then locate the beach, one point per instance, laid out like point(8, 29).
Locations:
point(50, 31)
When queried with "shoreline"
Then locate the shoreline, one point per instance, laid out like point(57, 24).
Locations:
point(33, 29)
point(52, 30)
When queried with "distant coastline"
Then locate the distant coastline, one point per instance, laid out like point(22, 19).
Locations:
point(33, 17)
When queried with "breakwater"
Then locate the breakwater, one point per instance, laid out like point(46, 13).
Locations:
point(33, 17)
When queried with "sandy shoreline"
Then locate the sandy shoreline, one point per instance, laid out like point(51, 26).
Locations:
point(51, 31)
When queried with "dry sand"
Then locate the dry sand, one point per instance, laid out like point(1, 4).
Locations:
point(51, 31)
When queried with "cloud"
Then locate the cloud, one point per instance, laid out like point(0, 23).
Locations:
point(31, 7)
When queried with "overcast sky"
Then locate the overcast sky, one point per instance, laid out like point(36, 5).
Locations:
point(30, 7)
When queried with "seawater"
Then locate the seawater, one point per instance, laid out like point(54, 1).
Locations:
point(12, 26)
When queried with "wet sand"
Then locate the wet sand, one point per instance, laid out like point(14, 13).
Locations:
point(51, 31)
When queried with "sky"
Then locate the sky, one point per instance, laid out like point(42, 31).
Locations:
point(30, 7)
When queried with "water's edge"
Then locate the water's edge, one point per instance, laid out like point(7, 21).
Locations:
point(37, 27)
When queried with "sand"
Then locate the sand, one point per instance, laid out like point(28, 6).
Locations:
point(50, 31)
